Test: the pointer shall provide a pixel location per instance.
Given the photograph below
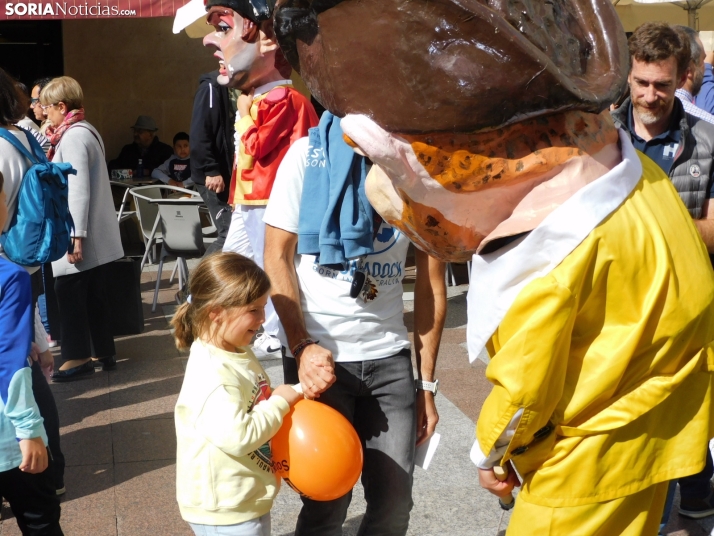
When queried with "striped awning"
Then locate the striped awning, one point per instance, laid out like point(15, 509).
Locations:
point(87, 9)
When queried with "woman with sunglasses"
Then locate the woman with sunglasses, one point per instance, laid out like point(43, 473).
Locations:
point(80, 276)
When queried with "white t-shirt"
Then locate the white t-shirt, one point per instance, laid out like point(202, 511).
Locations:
point(351, 328)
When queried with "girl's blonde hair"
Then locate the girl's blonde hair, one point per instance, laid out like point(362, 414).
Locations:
point(63, 89)
point(222, 280)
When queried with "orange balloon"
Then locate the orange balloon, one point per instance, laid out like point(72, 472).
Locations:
point(317, 451)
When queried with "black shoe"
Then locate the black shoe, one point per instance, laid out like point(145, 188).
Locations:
point(697, 508)
point(108, 363)
point(75, 373)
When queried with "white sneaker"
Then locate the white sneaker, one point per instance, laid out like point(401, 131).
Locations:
point(266, 345)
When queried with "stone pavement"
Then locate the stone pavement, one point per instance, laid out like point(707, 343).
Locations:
point(118, 438)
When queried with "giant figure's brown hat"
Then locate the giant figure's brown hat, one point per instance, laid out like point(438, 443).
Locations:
point(455, 65)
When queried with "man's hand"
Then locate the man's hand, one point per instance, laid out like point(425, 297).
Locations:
point(245, 100)
point(316, 370)
point(215, 183)
point(76, 255)
point(34, 455)
point(173, 182)
point(427, 416)
point(489, 482)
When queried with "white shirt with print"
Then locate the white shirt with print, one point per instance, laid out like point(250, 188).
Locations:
point(352, 329)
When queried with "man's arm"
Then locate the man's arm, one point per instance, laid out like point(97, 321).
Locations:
point(705, 97)
point(161, 173)
point(127, 159)
point(429, 317)
point(315, 364)
point(705, 226)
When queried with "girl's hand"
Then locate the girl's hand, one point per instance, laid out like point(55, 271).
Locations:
point(287, 392)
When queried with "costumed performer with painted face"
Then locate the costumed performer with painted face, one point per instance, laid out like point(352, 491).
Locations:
point(590, 286)
point(271, 116)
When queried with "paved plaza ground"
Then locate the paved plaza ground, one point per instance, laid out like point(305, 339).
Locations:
point(118, 438)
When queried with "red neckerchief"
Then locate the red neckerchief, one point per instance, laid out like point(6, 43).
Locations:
point(54, 134)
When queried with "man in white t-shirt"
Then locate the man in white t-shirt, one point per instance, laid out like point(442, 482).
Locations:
point(354, 353)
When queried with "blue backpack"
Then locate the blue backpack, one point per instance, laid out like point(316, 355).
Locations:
point(41, 228)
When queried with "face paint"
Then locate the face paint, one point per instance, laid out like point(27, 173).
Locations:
point(236, 56)
point(239, 65)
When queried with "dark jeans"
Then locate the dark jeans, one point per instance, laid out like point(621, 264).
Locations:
point(33, 501)
point(378, 398)
point(221, 214)
point(84, 315)
point(698, 486)
point(48, 410)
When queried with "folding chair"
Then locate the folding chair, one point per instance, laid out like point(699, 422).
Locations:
point(123, 213)
point(147, 213)
point(182, 235)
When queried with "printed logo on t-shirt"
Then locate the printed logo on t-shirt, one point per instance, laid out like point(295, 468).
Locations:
point(669, 151)
point(380, 274)
point(262, 456)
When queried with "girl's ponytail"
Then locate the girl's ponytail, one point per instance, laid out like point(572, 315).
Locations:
point(183, 331)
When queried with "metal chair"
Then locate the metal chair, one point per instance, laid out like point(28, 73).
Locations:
point(123, 214)
point(147, 213)
point(180, 224)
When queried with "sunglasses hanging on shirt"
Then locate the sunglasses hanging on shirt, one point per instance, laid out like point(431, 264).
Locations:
point(362, 284)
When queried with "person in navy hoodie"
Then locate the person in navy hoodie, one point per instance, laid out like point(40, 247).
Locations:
point(25, 480)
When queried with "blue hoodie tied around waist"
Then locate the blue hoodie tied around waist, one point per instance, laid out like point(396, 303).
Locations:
point(335, 216)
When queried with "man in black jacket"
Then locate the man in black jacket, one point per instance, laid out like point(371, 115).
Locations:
point(146, 146)
point(212, 150)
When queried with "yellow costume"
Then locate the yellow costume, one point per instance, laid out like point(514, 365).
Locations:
point(601, 360)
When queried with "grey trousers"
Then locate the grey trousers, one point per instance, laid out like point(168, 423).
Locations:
point(378, 398)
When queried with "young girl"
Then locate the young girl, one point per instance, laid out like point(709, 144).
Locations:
point(226, 413)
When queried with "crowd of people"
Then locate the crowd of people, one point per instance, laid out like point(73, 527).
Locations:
point(306, 269)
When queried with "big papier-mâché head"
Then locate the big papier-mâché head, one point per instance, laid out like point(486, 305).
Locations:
point(459, 103)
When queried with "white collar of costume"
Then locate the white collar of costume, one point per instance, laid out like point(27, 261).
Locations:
point(270, 85)
point(497, 278)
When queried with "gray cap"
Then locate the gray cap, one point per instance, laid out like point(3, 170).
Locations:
point(144, 122)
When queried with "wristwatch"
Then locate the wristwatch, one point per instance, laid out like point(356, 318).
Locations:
point(432, 387)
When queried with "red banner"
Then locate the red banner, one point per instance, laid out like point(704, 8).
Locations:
point(87, 9)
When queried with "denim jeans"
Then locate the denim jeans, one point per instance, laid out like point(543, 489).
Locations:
point(254, 527)
point(378, 398)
